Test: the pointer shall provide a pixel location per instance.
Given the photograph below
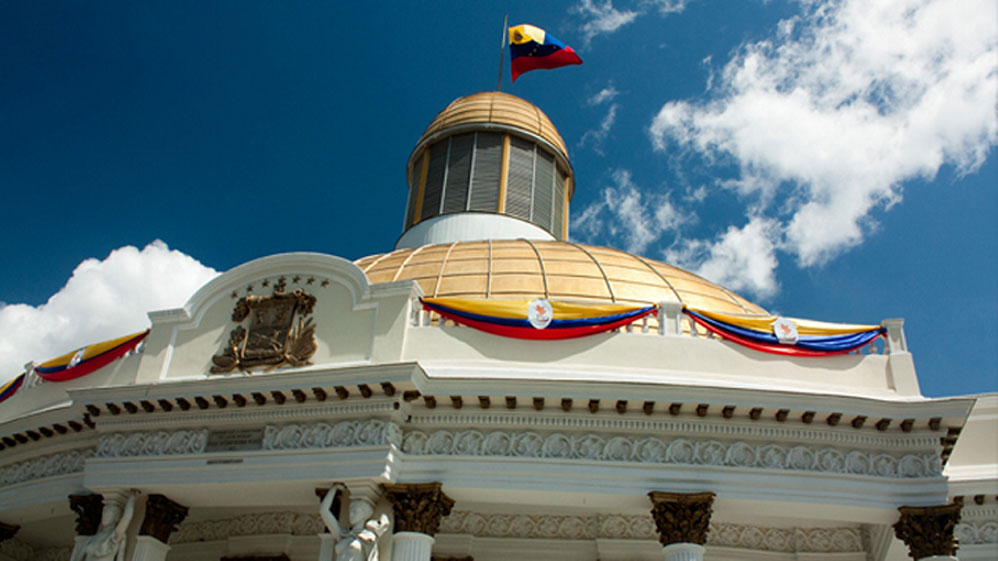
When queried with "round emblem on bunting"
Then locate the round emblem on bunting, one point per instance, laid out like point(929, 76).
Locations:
point(76, 358)
point(539, 313)
point(785, 331)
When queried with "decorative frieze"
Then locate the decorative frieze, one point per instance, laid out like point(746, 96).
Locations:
point(642, 527)
point(976, 532)
point(162, 517)
point(681, 517)
point(371, 432)
point(418, 507)
point(153, 443)
point(681, 451)
point(928, 530)
point(62, 463)
point(292, 523)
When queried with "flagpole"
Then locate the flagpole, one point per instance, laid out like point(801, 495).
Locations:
point(502, 50)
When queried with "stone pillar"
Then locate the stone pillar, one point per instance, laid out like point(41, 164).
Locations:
point(418, 509)
point(928, 531)
point(682, 521)
point(161, 519)
point(7, 531)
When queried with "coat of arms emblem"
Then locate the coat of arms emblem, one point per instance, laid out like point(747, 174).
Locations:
point(273, 337)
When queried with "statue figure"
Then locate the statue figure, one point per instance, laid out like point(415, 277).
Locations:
point(108, 544)
point(360, 542)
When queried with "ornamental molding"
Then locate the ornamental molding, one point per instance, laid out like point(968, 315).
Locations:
point(22, 551)
point(976, 532)
point(677, 451)
point(642, 527)
point(158, 443)
point(687, 427)
point(294, 436)
point(264, 523)
point(51, 465)
point(371, 432)
point(289, 411)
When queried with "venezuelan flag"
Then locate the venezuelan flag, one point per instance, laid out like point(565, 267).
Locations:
point(509, 318)
point(10, 388)
point(531, 48)
point(78, 363)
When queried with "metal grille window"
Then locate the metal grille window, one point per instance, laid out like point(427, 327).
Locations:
point(458, 173)
point(520, 179)
point(414, 173)
point(486, 172)
point(434, 181)
point(557, 222)
point(543, 187)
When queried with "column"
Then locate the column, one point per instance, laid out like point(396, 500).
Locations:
point(161, 519)
point(682, 521)
point(418, 509)
point(928, 531)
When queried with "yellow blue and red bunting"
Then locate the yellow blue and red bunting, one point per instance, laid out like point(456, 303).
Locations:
point(81, 362)
point(815, 338)
point(509, 317)
point(10, 388)
point(532, 48)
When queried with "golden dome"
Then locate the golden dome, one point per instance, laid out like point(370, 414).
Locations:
point(496, 108)
point(553, 269)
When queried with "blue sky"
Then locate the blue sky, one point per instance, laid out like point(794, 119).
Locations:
point(827, 160)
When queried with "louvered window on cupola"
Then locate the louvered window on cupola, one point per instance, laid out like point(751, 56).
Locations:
point(414, 177)
point(520, 178)
point(434, 180)
point(486, 172)
point(458, 173)
point(543, 189)
point(558, 218)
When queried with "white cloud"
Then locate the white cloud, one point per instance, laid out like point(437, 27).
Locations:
point(601, 18)
point(595, 137)
point(740, 258)
point(102, 300)
point(628, 217)
point(831, 116)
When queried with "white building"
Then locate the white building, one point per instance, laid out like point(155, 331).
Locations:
point(295, 371)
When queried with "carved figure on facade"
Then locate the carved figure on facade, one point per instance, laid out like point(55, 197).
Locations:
point(108, 543)
point(273, 338)
point(359, 540)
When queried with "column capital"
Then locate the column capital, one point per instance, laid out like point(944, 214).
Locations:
point(681, 517)
point(7, 531)
point(928, 530)
point(88, 509)
point(418, 507)
point(162, 517)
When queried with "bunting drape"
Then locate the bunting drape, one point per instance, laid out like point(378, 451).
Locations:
point(509, 318)
point(81, 362)
point(815, 338)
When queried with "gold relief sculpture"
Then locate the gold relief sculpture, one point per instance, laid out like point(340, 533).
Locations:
point(273, 337)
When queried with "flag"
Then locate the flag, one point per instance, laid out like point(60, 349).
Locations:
point(531, 48)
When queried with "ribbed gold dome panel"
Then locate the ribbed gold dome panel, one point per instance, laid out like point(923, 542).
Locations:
point(496, 107)
point(553, 269)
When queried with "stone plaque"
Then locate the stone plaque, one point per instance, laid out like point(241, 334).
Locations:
point(234, 440)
